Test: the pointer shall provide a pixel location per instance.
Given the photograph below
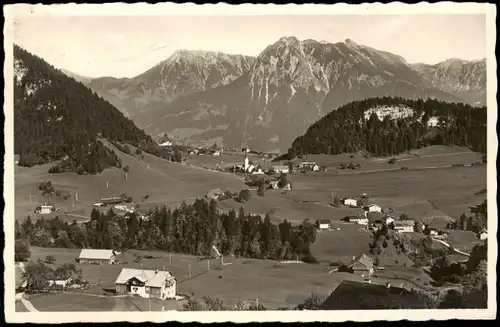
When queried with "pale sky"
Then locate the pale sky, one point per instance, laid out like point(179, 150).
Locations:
point(128, 46)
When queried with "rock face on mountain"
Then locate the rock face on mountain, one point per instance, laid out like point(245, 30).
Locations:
point(290, 85)
point(182, 73)
point(465, 79)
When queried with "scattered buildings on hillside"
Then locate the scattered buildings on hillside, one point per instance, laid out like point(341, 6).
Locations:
point(309, 166)
point(96, 257)
point(404, 226)
point(110, 201)
point(324, 224)
point(45, 209)
point(352, 295)
point(157, 283)
point(351, 202)
point(357, 220)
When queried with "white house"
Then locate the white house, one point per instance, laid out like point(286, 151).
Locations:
point(45, 209)
point(350, 202)
point(216, 153)
point(281, 169)
point(60, 283)
point(483, 235)
point(126, 208)
point(374, 208)
point(146, 283)
point(324, 224)
point(359, 220)
point(388, 220)
point(166, 143)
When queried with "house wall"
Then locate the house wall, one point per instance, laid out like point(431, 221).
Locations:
point(170, 289)
point(121, 288)
point(350, 202)
point(324, 226)
point(138, 290)
point(375, 209)
point(404, 229)
point(483, 236)
point(96, 261)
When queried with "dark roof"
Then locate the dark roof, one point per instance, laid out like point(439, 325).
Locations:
point(351, 295)
point(363, 260)
point(374, 216)
point(324, 221)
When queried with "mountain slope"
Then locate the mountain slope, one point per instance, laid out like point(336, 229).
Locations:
point(290, 85)
point(184, 72)
point(465, 79)
point(56, 117)
point(78, 78)
point(387, 126)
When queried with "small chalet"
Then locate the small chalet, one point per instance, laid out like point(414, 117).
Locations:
point(111, 201)
point(214, 194)
point(281, 169)
point(483, 235)
point(373, 208)
point(309, 165)
point(350, 202)
point(146, 283)
point(45, 209)
point(96, 257)
point(324, 224)
point(358, 220)
point(361, 265)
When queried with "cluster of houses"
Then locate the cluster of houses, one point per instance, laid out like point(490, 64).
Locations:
point(45, 209)
point(119, 206)
point(157, 283)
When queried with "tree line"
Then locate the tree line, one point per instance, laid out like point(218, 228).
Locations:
point(190, 229)
point(346, 130)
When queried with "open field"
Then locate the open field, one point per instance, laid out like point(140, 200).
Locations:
point(20, 307)
point(277, 285)
point(165, 183)
point(71, 301)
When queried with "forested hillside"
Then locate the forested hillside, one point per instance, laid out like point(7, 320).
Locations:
point(387, 126)
point(56, 117)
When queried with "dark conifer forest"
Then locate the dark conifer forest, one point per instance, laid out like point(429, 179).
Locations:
point(190, 229)
point(56, 117)
point(347, 130)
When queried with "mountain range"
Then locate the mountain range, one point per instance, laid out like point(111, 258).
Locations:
point(265, 102)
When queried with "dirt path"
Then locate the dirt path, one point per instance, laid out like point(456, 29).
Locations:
point(451, 247)
point(27, 304)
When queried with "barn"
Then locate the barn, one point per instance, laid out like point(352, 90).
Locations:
point(96, 257)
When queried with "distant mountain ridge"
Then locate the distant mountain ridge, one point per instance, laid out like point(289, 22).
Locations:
point(265, 102)
point(184, 72)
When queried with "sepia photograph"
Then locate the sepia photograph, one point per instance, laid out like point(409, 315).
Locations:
point(204, 162)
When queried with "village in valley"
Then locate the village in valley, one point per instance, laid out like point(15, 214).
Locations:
point(306, 171)
point(170, 279)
